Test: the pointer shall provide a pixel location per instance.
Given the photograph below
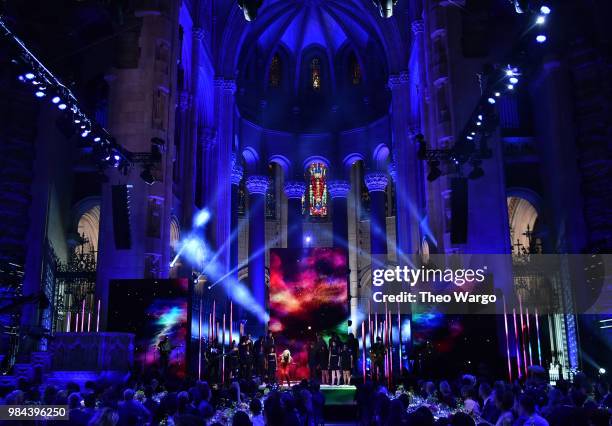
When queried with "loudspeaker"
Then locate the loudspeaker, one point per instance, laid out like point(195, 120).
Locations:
point(121, 217)
point(459, 210)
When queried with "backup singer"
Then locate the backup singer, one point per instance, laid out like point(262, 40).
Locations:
point(334, 362)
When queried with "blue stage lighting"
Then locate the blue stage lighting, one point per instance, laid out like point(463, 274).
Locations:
point(62, 106)
point(201, 218)
point(39, 94)
point(545, 10)
point(510, 87)
point(29, 76)
point(541, 38)
point(540, 20)
point(491, 101)
point(97, 139)
point(513, 80)
point(55, 99)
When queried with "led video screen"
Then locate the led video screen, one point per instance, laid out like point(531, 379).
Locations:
point(152, 309)
point(308, 295)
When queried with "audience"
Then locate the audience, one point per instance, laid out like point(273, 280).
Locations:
point(464, 401)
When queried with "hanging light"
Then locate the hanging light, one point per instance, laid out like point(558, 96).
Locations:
point(545, 10)
point(541, 38)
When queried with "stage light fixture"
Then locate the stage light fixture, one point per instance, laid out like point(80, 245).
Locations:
point(541, 38)
point(473, 133)
point(62, 106)
point(29, 76)
point(470, 138)
point(201, 218)
point(147, 176)
point(434, 170)
point(55, 99)
point(97, 139)
point(85, 133)
point(510, 87)
point(385, 7)
point(491, 101)
point(422, 147)
point(513, 80)
point(602, 371)
point(497, 94)
point(479, 123)
point(39, 94)
point(540, 20)
point(477, 171)
point(545, 10)
point(250, 8)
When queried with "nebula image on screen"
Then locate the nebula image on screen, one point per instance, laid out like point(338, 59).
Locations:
point(308, 295)
point(152, 309)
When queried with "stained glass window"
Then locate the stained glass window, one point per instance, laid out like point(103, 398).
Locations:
point(315, 74)
point(274, 77)
point(355, 69)
point(317, 190)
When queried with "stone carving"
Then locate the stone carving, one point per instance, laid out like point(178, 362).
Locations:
point(338, 188)
point(376, 181)
point(258, 184)
point(294, 189)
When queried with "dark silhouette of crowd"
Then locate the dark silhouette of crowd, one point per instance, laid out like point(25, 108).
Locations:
point(464, 401)
point(469, 401)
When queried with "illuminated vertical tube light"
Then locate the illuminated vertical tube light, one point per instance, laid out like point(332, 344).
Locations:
point(399, 335)
point(529, 337)
point(200, 342)
point(88, 321)
point(538, 336)
point(223, 352)
point(391, 347)
point(83, 316)
point(231, 321)
point(523, 336)
point(68, 318)
point(98, 318)
point(210, 327)
point(507, 341)
point(363, 351)
point(518, 353)
point(217, 332)
point(214, 317)
point(76, 324)
point(370, 320)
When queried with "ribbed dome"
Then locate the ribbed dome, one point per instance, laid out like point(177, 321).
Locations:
point(335, 32)
point(301, 23)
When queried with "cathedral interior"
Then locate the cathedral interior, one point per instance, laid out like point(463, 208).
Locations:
point(209, 132)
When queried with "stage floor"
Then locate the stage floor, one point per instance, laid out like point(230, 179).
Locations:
point(339, 395)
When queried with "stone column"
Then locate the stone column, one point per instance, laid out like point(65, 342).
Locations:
point(237, 173)
point(294, 190)
point(339, 190)
point(406, 162)
point(224, 90)
point(377, 183)
point(257, 186)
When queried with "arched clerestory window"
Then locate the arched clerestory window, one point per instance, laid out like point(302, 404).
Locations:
point(315, 74)
point(275, 73)
point(355, 69)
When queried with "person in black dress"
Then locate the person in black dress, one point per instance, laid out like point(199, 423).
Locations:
point(334, 362)
point(353, 346)
point(323, 361)
point(271, 365)
point(313, 360)
point(346, 363)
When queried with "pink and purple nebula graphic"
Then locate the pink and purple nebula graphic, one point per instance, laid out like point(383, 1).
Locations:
point(308, 295)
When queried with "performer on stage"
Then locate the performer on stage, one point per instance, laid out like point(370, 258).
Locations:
point(234, 359)
point(346, 363)
point(313, 360)
point(285, 365)
point(246, 355)
point(377, 356)
point(323, 360)
point(271, 365)
point(334, 362)
point(164, 348)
